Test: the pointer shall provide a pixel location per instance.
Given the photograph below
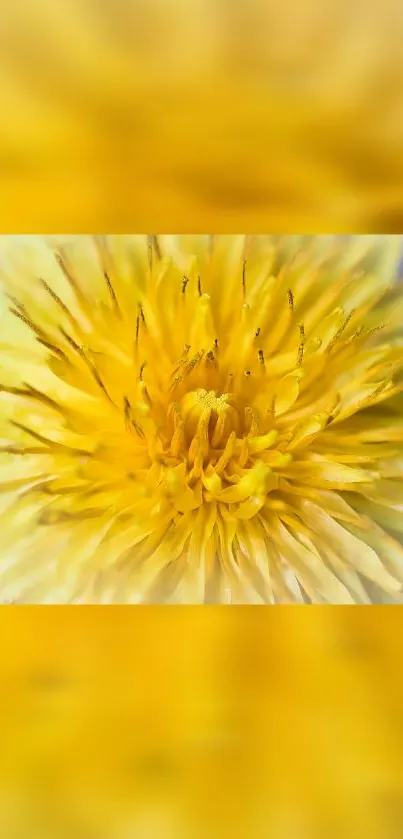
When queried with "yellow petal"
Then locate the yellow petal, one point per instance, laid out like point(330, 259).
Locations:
point(183, 496)
point(309, 569)
point(255, 482)
point(306, 430)
point(351, 549)
point(287, 392)
point(265, 441)
point(326, 472)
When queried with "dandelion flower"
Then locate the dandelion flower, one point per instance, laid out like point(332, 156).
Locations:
point(201, 419)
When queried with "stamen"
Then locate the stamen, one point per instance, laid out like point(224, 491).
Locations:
point(61, 260)
point(184, 284)
point(54, 349)
point(98, 379)
point(144, 392)
point(257, 333)
point(301, 345)
point(127, 410)
point(182, 360)
point(261, 357)
point(335, 410)
point(290, 299)
point(156, 246)
point(272, 408)
point(78, 349)
point(175, 382)
point(14, 301)
point(374, 331)
point(359, 333)
point(22, 315)
point(340, 331)
point(381, 387)
point(50, 444)
point(150, 253)
point(138, 429)
point(33, 393)
point(251, 422)
point(244, 278)
point(22, 450)
point(229, 382)
point(60, 303)
point(111, 292)
point(199, 288)
point(192, 363)
point(13, 391)
point(92, 368)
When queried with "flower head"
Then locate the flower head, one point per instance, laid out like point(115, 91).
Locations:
point(200, 419)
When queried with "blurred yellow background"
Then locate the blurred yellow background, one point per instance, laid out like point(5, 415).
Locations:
point(224, 115)
point(191, 723)
point(157, 723)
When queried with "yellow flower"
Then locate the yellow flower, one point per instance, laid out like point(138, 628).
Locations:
point(201, 419)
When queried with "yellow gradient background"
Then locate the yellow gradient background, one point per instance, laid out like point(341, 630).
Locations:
point(196, 723)
point(200, 722)
point(224, 115)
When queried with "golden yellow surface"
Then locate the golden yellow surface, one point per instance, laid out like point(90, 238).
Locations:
point(200, 722)
point(127, 115)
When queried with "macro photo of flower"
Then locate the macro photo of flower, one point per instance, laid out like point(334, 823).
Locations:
point(201, 419)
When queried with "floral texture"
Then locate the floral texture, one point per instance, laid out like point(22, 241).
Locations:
point(201, 419)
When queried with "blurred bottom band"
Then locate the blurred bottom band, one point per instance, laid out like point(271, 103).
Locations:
point(189, 722)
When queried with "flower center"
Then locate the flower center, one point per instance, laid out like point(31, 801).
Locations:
point(205, 400)
point(206, 410)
